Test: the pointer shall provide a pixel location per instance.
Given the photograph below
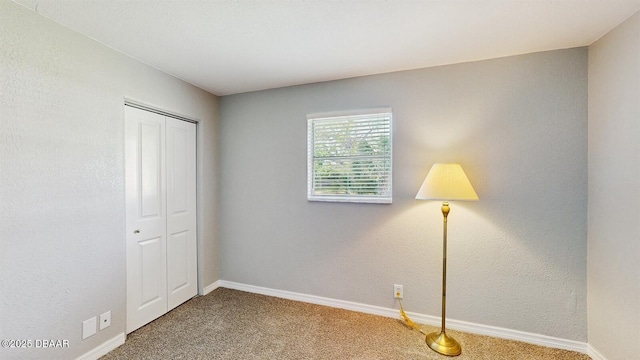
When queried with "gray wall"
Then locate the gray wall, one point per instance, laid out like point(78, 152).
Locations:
point(614, 194)
point(517, 258)
point(62, 202)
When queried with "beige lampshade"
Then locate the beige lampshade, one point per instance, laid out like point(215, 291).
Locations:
point(446, 182)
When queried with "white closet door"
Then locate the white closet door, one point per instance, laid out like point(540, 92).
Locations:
point(146, 217)
point(161, 214)
point(181, 212)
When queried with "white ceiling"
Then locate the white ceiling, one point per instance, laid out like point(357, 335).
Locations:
point(228, 47)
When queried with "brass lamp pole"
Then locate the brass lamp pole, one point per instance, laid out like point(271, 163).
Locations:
point(445, 182)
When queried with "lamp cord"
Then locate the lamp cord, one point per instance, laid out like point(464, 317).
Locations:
point(407, 321)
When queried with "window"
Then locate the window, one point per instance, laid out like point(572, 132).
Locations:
point(349, 156)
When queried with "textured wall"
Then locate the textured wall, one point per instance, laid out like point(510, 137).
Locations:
point(517, 258)
point(62, 223)
point(614, 194)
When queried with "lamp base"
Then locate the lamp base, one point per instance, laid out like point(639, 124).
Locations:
point(443, 344)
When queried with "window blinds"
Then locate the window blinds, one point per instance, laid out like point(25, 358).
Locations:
point(349, 156)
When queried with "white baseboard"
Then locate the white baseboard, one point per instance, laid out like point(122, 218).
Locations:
point(531, 338)
point(209, 288)
point(312, 299)
point(104, 348)
point(479, 329)
point(595, 355)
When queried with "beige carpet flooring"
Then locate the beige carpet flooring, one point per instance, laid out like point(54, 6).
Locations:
point(231, 324)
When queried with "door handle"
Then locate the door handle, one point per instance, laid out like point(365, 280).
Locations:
point(137, 231)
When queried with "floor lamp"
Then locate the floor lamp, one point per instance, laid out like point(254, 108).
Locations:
point(445, 182)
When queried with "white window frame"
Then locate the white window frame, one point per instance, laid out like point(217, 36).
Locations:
point(313, 194)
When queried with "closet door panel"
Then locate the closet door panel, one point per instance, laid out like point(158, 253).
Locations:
point(146, 217)
point(181, 212)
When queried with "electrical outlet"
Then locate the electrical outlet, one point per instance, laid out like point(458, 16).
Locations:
point(105, 320)
point(397, 291)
